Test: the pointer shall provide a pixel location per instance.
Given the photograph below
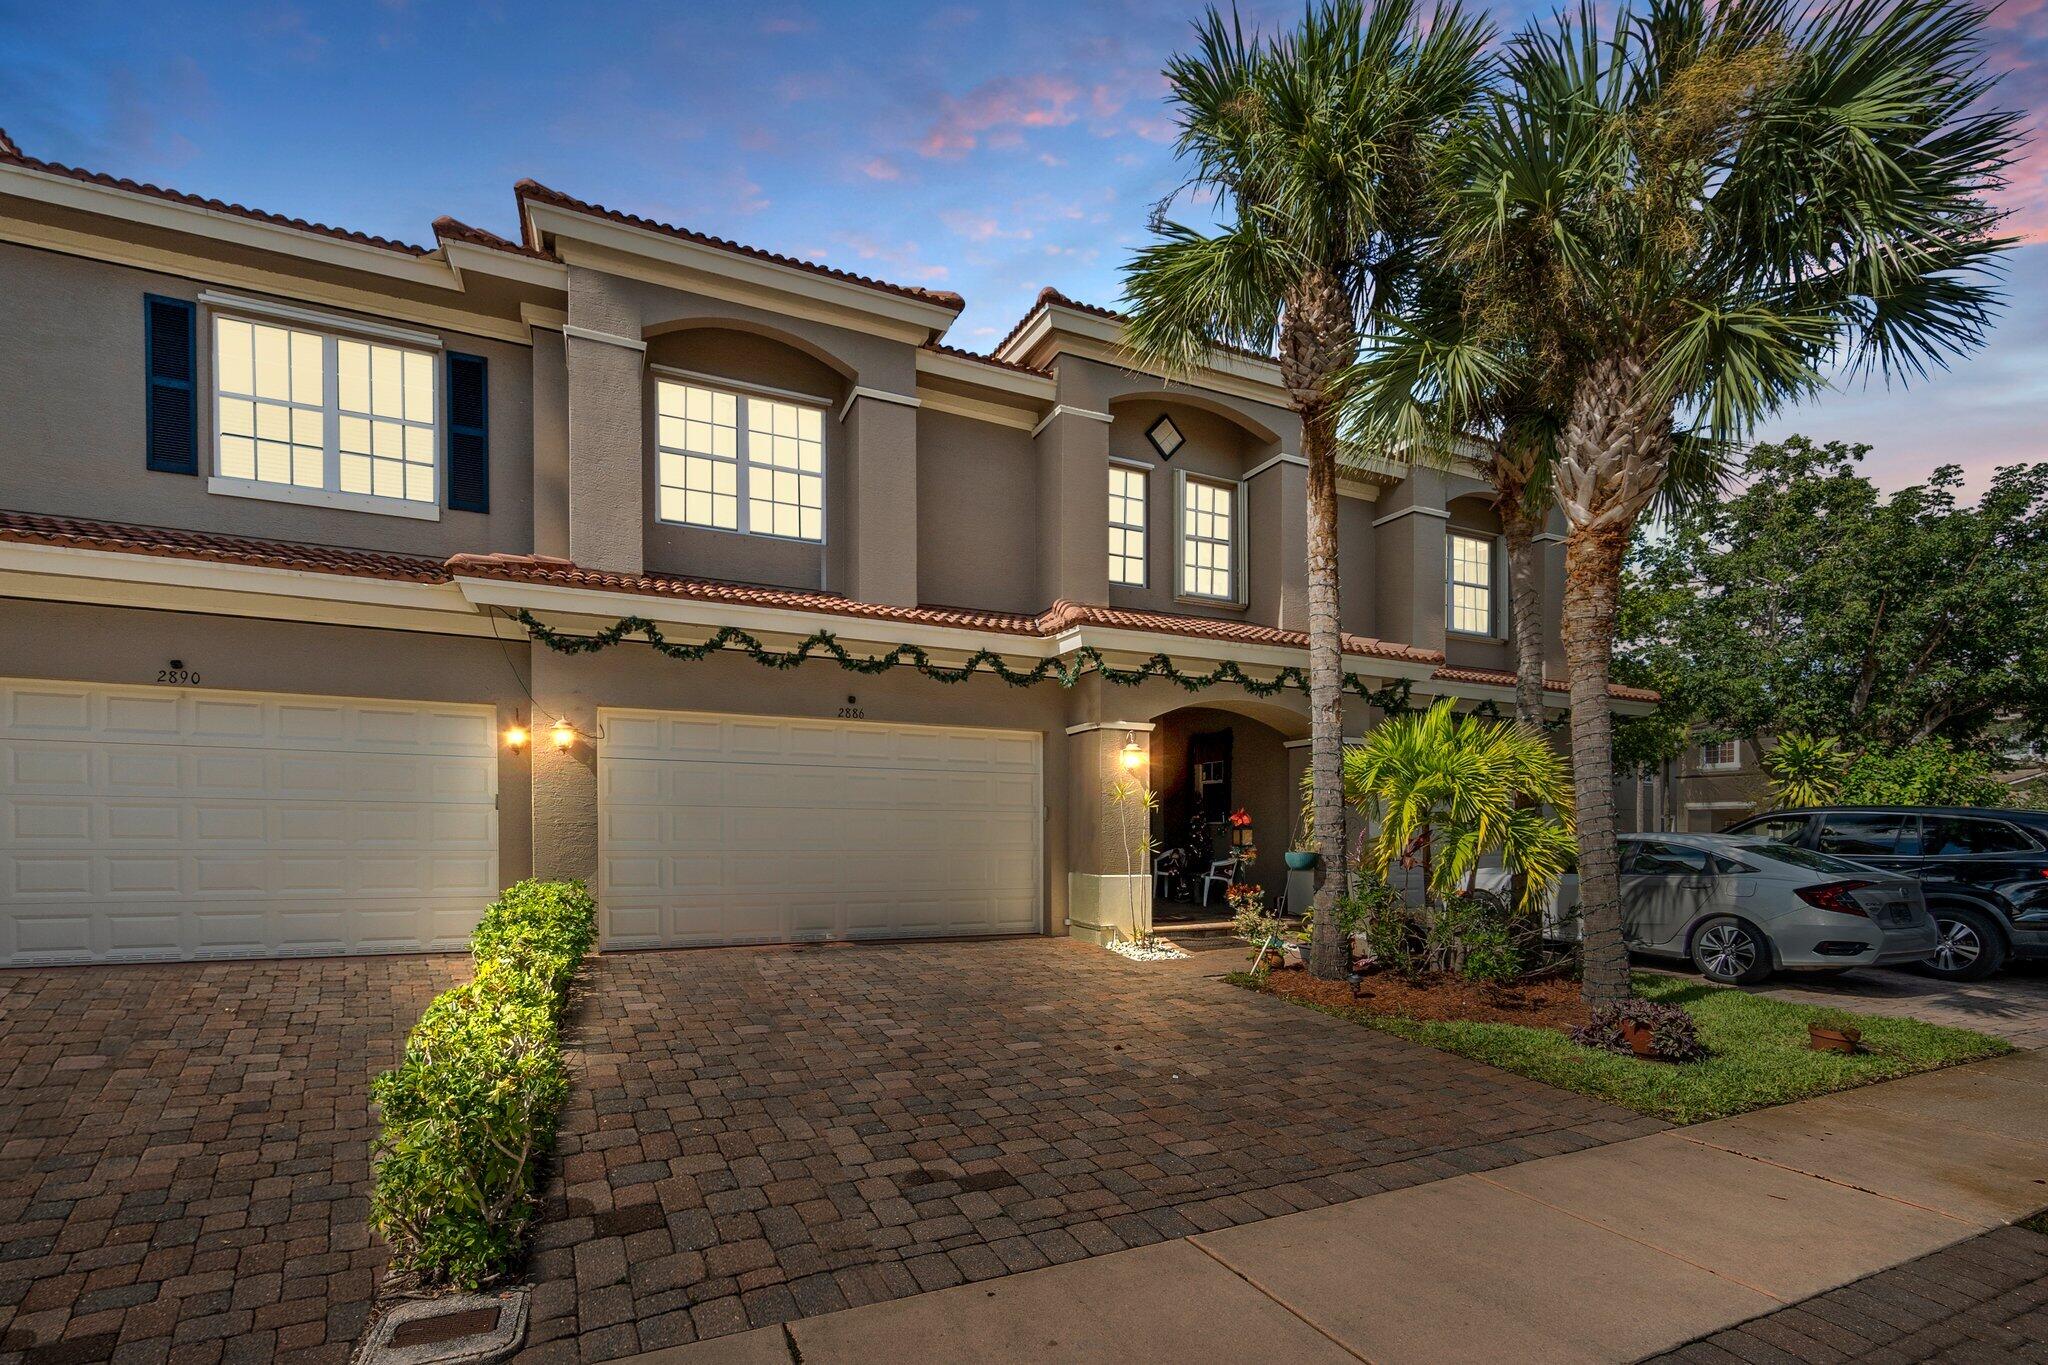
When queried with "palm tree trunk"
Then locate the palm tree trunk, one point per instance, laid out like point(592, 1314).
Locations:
point(1525, 604)
point(1329, 952)
point(1592, 585)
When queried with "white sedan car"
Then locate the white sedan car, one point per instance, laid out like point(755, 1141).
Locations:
point(1740, 908)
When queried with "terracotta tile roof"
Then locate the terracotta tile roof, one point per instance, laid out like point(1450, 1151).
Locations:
point(1050, 297)
point(1490, 677)
point(534, 190)
point(1061, 616)
point(33, 529)
point(79, 533)
point(454, 229)
point(562, 573)
point(11, 154)
point(1064, 615)
point(940, 348)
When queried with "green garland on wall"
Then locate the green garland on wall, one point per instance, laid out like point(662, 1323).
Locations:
point(1391, 699)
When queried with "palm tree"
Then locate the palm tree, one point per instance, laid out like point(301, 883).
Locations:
point(1677, 228)
point(1314, 145)
point(1459, 788)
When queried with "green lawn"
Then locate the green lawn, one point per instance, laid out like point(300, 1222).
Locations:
point(1760, 1056)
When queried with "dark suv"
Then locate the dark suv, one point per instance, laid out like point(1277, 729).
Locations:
point(1985, 871)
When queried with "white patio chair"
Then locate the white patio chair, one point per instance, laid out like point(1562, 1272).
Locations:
point(1222, 872)
point(1162, 873)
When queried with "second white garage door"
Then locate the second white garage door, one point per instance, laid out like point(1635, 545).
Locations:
point(747, 829)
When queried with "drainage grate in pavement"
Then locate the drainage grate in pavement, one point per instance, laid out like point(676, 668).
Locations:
point(444, 1327)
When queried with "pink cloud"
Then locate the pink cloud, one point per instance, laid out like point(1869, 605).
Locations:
point(980, 227)
point(880, 168)
point(999, 110)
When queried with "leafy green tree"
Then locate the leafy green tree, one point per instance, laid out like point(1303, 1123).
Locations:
point(1810, 601)
point(1457, 788)
point(1683, 219)
point(1932, 772)
point(1314, 145)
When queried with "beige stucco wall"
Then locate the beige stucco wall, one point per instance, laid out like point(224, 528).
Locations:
point(72, 423)
point(120, 645)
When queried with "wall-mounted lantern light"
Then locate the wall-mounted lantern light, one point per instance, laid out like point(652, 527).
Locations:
point(516, 737)
point(563, 735)
point(1132, 756)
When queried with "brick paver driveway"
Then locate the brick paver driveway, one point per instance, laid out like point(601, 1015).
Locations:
point(758, 1135)
point(184, 1155)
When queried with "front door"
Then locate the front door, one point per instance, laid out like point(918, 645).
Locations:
point(1209, 776)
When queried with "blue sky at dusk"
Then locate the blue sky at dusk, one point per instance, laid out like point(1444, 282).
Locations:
point(983, 147)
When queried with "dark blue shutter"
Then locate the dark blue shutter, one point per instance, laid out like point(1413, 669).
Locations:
point(469, 434)
point(170, 349)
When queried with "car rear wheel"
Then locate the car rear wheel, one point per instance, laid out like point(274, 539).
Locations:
point(1728, 951)
point(1967, 945)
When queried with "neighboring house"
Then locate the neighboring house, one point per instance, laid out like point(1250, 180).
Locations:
point(280, 500)
point(1716, 783)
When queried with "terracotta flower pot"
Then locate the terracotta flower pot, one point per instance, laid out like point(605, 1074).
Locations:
point(1823, 1038)
point(1642, 1039)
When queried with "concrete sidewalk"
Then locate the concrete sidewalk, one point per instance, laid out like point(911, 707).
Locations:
point(1609, 1254)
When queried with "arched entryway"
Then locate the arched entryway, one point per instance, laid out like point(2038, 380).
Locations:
point(1207, 762)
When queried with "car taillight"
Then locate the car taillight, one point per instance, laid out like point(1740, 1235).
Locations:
point(1835, 896)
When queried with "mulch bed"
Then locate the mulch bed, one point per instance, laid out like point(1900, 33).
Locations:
point(1547, 1002)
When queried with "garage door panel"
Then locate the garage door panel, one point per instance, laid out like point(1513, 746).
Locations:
point(723, 829)
point(239, 824)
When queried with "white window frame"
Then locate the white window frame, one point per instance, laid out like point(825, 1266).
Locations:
point(331, 329)
point(1181, 539)
point(1709, 765)
point(744, 465)
point(1143, 474)
point(1452, 583)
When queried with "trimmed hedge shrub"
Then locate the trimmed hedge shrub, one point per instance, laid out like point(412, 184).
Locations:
point(469, 1113)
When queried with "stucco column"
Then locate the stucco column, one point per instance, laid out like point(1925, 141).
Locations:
point(881, 450)
point(1408, 550)
point(606, 365)
point(1109, 890)
point(1278, 498)
point(1073, 497)
point(1551, 544)
point(550, 443)
point(564, 780)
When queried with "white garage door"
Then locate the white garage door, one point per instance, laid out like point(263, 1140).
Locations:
point(159, 823)
point(745, 829)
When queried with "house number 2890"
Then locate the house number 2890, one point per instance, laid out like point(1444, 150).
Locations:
point(178, 674)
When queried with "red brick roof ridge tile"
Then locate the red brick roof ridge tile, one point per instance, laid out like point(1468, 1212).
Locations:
point(1019, 366)
point(1051, 297)
point(217, 547)
point(448, 226)
point(532, 189)
point(11, 154)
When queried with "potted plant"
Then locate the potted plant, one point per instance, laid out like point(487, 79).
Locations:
point(1301, 854)
point(1834, 1031)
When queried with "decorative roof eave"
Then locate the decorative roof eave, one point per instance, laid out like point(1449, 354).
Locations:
point(545, 213)
point(1054, 317)
point(53, 556)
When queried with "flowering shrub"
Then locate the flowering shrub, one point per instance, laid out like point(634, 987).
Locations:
point(1673, 1035)
point(469, 1112)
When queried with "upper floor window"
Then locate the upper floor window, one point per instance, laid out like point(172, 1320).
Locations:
point(1208, 539)
point(308, 415)
point(1127, 489)
point(1470, 600)
point(735, 461)
point(1721, 753)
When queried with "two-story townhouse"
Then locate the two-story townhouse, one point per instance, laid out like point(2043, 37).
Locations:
point(343, 580)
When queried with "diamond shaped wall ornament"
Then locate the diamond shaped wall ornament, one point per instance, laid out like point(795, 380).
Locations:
point(1165, 437)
